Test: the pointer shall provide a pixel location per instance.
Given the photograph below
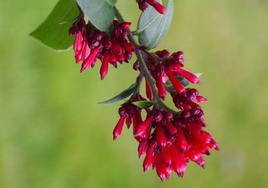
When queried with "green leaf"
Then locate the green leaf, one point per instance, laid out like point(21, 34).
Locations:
point(99, 12)
point(144, 24)
point(124, 94)
point(143, 104)
point(155, 24)
point(198, 74)
point(54, 31)
point(112, 2)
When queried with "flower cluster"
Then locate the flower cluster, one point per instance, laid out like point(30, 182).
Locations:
point(91, 44)
point(168, 139)
point(143, 4)
point(164, 67)
point(129, 114)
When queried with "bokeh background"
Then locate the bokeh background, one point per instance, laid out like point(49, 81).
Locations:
point(53, 134)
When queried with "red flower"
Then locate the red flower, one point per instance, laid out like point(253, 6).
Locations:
point(143, 4)
point(164, 67)
point(119, 127)
point(170, 140)
point(129, 114)
point(92, 44)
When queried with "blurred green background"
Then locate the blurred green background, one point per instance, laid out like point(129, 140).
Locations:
point(53, 134)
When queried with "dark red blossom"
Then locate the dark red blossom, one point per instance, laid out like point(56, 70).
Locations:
point(143, 4)
point(164, 67)
point(91, 44)
point(169, 140)
point(129, 114)
point(188, 99)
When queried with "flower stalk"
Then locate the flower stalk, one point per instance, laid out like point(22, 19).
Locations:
point(144, 69)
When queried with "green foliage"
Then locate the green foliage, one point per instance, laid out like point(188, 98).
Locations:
point(54, 31)
point(154, 26)
point(112, 2)
point(99, 12)
point(143, 104)
point(123, 95)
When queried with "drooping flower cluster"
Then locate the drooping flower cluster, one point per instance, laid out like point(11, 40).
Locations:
point(168, 139)
point(143, 4)
point(91, 44)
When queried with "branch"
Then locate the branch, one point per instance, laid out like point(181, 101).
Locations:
point(144, 69)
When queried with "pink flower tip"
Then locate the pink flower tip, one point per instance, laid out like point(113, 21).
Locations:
point(159, 7)
point(118, 128)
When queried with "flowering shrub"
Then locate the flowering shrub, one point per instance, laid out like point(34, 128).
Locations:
point(168, 138)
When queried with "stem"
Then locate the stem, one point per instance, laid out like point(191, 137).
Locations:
point(144, 69)
point(147, 75)
point(138, 82)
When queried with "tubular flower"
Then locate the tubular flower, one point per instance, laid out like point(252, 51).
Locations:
point(164, 67)
point(170, 140)
point(129, 115)
point(91, 44)
point(143, 4)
